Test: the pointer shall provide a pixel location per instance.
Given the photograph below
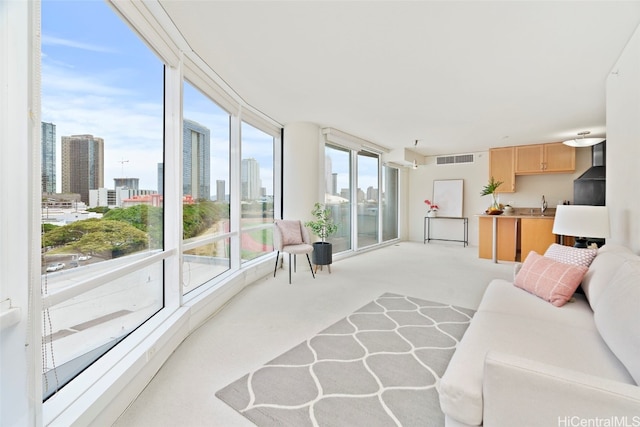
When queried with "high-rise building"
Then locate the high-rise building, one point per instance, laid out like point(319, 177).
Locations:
point(196, 162)
point(329, 176)
point(48, 158)
point(221, 190)
point(372, 193)
point(82, 164)
point(250, 179)
point(129, 183)
point(160, 178)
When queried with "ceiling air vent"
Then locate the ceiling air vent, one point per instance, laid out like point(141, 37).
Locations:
point(454, 160)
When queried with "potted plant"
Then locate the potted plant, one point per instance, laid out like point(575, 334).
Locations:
point(491, 188)
point(322, 227)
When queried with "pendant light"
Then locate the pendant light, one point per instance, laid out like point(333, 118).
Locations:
point(582, 141)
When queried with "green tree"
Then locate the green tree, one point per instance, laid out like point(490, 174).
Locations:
point(143, 217)
point(96, 236)
point(199, 217)
point(48, 227)
point(99, 209)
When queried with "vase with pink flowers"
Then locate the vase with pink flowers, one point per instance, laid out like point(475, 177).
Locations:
point(433, 208)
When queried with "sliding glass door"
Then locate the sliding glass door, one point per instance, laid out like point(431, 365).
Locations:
point(368, 212)
point(365, 215)
point(389, 203)
point(338, 195)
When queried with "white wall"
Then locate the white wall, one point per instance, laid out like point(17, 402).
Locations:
point(529, 191)
point(623, 146)
point(303, 160)
point(421, 188)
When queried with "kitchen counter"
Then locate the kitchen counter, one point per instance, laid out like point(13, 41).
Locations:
point(525, 213)
point(510, 237)
point(545, 216)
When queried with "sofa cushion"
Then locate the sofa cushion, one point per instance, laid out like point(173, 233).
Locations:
point(502, 297)
point(617, 316)
point(571, 255)
point(604, 266)
point(551, 280)
point(580, 349)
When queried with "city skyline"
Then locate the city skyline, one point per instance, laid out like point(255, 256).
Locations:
point(92, 85)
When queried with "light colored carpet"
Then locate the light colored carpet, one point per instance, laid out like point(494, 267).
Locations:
point(376, 367)
point(271, 316)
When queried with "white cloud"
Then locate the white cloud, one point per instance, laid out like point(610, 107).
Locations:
point(48, 40)
point(130, 125)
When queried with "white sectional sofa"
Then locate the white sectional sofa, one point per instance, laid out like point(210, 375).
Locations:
point(526, 362)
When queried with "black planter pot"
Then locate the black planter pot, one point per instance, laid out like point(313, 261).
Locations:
point(322, 253)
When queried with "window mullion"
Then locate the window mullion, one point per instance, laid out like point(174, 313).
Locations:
point(354, 197)
point(235, 189)
point(173, 185)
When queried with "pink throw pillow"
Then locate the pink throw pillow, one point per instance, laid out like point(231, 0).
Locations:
point(291, 233)
point(550, 280)
point(571, 255)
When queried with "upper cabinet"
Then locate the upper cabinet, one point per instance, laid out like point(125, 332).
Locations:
point(545, 158)
point(501, 168)
point(507, 162)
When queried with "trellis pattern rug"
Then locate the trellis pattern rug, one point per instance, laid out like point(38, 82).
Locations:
point(376, 367)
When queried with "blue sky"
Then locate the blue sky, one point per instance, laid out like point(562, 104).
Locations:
point(99, 78)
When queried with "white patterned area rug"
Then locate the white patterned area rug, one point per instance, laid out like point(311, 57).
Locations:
point(376, 367)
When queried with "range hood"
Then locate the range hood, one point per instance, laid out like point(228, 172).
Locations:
point(589, 188)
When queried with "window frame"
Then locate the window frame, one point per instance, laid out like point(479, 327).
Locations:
point(147, 345)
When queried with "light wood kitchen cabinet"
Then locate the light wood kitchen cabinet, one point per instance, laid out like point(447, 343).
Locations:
point(506, 238)
point(535, 235)
point(502, 168)
point(544, 158)
point(516, 236)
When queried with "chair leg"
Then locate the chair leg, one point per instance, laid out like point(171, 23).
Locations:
point(309, 259)
point(295, 259)
point(276, 268)
point(289, 268)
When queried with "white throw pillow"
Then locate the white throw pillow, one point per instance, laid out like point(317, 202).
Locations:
point(571, 255)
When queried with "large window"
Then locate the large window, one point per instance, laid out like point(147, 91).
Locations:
point(256, 188)
point(205, 189)
point(102, 204)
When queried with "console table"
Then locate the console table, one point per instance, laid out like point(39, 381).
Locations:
point(465, 226)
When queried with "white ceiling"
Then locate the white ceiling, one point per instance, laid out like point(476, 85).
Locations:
point(459, 76)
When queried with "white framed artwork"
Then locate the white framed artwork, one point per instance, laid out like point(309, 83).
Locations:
point(447, 194)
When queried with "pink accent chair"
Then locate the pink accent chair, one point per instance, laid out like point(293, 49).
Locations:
point(292, 237)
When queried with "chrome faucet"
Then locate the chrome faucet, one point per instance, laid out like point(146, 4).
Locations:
point(544, 206)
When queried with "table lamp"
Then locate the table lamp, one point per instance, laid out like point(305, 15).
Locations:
point(581, 222)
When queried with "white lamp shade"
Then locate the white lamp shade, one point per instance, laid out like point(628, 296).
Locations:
point(581, 221)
